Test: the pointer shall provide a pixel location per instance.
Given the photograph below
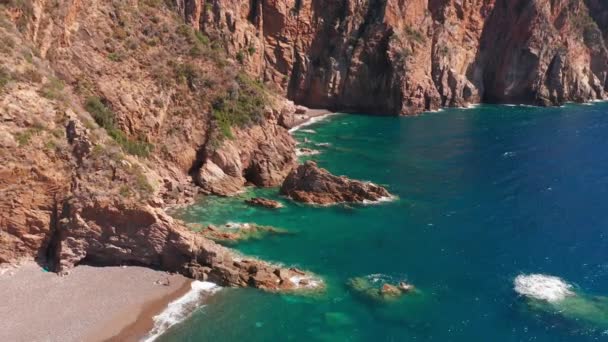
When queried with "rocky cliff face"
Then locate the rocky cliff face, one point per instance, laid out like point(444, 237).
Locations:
point(109, 111)
point(112, 111)
point(415, 55)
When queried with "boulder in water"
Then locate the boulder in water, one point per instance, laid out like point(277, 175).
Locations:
point(264, 202)
point(309, 183)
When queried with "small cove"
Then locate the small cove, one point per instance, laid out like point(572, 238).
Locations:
point(485, 194)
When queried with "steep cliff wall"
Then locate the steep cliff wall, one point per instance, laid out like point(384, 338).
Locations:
point(404, 57)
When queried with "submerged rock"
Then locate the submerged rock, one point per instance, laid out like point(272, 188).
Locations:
point(371, 289)
point(264, 202)
point(388, 290)
point(309, 183)
point(236, 232)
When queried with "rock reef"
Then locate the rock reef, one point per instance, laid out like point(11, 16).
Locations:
point(378, 291)
point(236, 232)
point(264, 203)
point(310, 184)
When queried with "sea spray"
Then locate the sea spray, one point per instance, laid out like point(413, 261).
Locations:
point(181, 308)
point(554, 296)
point(311, 121)
point(542, 287)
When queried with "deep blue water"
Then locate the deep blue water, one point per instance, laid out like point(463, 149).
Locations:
point(485, 194)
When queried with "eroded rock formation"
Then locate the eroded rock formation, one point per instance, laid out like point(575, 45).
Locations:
point(310, 184)
point(261, 155)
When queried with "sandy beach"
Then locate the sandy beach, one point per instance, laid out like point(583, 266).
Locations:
point(309, 116)
point(90, 304)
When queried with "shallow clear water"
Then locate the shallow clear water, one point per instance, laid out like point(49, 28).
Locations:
point(484, 195)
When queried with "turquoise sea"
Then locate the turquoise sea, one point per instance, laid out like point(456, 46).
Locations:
point(485, 194)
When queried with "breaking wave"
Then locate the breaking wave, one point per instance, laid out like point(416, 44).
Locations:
point(543, 287)
point(310, 122)
point(181, 308)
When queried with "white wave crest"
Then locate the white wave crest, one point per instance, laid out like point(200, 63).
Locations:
point(544, 287)
point(310, 122)
point(181, 308)
point(306, 282)
point(383, 199)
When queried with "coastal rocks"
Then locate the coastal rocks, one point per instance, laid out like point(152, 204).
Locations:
point(107, 232)
point(261, 155)
point(306, 152)
point(310, 184)
point(378, 290)
point(236, 232)
point(264, 203)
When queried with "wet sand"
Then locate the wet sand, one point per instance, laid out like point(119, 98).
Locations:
point(307, 116)
point(90, 304)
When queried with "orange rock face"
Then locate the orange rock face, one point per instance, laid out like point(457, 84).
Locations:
point(416, 55)
point(310, 184)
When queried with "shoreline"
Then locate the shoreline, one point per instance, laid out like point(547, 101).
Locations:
point(144, 323)
point(310, 117)
point(89, 304)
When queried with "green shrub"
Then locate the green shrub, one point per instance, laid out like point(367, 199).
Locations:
point(5, 77)
point(23, 138)
point(30, 75)
point(414, 35)
point(201, 37)
point(106, 118)
point(242, 106)
point(53, 89)
point(7, 44)
point(116, 56)
point(240, 57)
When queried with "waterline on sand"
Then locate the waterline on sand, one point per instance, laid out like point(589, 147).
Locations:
point(311, 121)
point(180, 309)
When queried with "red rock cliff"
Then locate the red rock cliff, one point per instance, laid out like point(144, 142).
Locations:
point(404, 57)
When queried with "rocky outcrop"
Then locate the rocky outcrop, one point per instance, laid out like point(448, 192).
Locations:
point(107, 232)
point(416, 55)
point(310, 184)
point(264, 203)
point(260, 155)
point(237, 232)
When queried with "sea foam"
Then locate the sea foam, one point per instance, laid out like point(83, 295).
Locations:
point(310, 122)
point(543, 287)
point(181, 308)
